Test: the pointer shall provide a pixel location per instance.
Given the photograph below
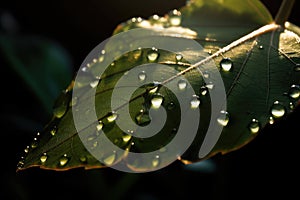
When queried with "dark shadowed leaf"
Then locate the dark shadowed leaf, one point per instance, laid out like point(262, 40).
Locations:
point(261, 75)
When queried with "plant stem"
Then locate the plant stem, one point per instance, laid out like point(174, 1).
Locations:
point(284, 12)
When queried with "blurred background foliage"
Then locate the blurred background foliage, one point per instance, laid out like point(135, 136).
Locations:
point(42, 44)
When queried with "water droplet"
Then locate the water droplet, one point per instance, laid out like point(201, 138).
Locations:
point(101, 58)
point(223, 119)
point(292, 106)
point(63, 160)
point(155, 161)
point(153, 54)
point(83, 159)
point(294, 91)
point(137, 53)
point(126, 137)
point(170, 106)
point(175, 18)
point(74, 101)
point(53, 130)
point(203, 90)
point(43, 158)
point(254, 126)
point(109, 160)
point(178, 57)
point(26, 150)
point(61, 104)
point(156, 101)
point(94, 145)
point(142, 118)
point(277, 110)
point(34, 143)
point(154, 87)
point(210, 85)
point(182, 84)
point(99, 126)
point(112, 64)
point(20, 164)
point(195, 102)
point(206, 74)
point(112, 117)
point(260, 47)
point(297, 68)
point(226, 64)
point(94, 83)
point(142, 76)
point(271, 120)
point(154, 18)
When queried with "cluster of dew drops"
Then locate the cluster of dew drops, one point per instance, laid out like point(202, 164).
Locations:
point(277, 110)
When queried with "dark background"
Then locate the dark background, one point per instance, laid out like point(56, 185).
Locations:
point(265, 168)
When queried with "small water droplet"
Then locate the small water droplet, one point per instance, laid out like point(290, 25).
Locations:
point(206, 74)
point(292, 106)
point(297, 68)
point(137, 53)
point(294, 91)
point(203, 90)
point(109, 160)
point(34, 143)
point(94, 145)
point(254, 126)
point(195, 102)
point(155, 161)
point(126, 137)
point(112, 64)
point(83, 159)
point(277, 110)
point(142, 76)
point(63, 160)
point(53, 130)
point(44, 158)
point(223, 119)
point(226, 64)
point(26, 150)
point(99, 126)
point(260, 47)
point(271, 120)
point(153, 54)
point(210, 85)
point(101, 58)
point(175, 17)
point(156, 101)
point(178, 57)
point(94, 83)
point(182, 84)
point(20, 164)
point(61, 104)
point(112, 117)
point(170, 106)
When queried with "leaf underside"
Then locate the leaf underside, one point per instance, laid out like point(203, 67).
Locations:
point(265, 70)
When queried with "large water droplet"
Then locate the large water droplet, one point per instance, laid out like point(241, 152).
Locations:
point(182, 84)
point(112, 117)
point(226, 64)
point(109, 160)
point(277, 110)
point(142, 76)
point(254, 126)
point(223, 119)
point(99, 126)
point(178, 57)
point(63, 160)
point(203, 90)
point(294, 91)
point(174, 18)
point(156, 101)
point(153, 54)
point(61, 104)
point(43, 158)
point(53, 130)
point(195, 102)
point(126, 137)
point(155, 161)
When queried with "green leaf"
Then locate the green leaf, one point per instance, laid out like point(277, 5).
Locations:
point(261, 79)
point(43, 65)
